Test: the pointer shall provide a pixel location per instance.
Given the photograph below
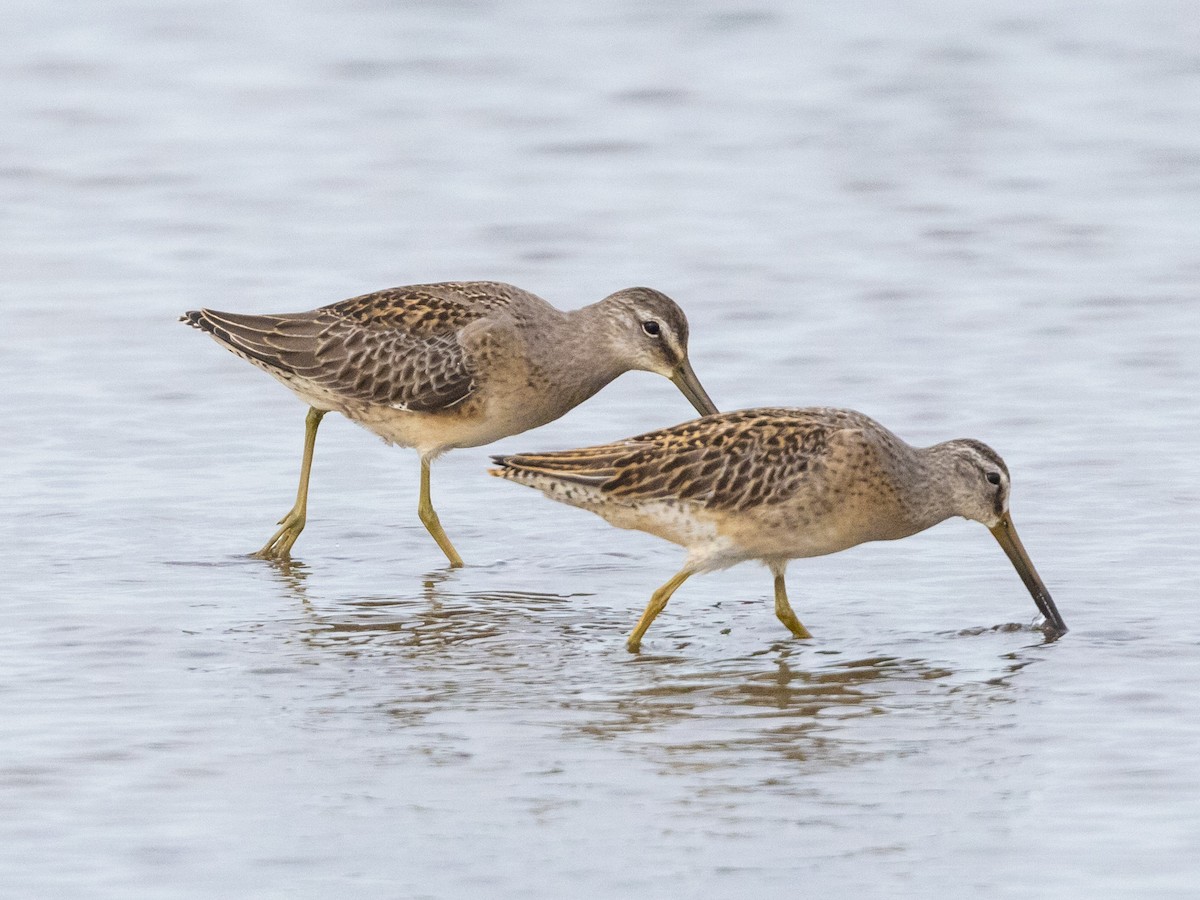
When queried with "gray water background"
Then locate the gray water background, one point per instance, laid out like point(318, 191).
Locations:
point(966, 220)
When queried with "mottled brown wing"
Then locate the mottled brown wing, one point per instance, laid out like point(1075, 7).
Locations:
point(398, 347)
point(373, 364)
point(427, 310)
point(402, 369)
point(729, 461)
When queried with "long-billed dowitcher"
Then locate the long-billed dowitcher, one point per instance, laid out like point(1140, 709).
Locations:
point(458, 364)
point(777, 485)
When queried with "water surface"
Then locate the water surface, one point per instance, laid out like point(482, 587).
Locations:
point(963, 222)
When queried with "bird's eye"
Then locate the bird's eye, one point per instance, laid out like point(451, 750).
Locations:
point(652, 328)
point(993, 477)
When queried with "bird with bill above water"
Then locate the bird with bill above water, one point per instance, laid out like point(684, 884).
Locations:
point(457, 364)
point(778, 484)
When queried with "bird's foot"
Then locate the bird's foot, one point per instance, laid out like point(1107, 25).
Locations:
point(280, 544)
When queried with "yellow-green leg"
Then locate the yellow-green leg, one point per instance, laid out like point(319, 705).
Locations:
point(656, 605)
point(429, 518)
point(280, 544)
point(783, 609)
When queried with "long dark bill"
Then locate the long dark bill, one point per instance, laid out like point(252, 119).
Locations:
point(687, 382)
point(1006, 534)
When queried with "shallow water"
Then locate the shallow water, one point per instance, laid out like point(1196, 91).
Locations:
point(962, 222)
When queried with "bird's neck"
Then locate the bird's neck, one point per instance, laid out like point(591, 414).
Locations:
point(936, 486)
point(583, 355)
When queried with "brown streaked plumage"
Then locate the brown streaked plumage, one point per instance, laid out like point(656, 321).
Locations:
point(456, 364)
point(776, 485)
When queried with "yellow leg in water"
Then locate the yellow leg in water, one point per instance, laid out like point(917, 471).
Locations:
point(429, 518)
point(656, 605)
point(784, 611)
point(280, 544)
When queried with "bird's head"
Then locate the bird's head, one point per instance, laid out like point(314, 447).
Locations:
point(651, 335)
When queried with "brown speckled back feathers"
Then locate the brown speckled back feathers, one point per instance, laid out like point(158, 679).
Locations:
point(730, 461)
point(399, 347)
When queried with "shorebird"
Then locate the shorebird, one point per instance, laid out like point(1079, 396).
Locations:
point(776, 485)
point(457, 364)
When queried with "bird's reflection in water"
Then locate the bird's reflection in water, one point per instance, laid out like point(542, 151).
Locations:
point(557, 662)
point(789, 704)
point(798, 704)
point(436, 615)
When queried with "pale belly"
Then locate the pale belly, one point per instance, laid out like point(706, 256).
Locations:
point(790, 533)
point(434, 433)
point(472, 423)
point(679, 522)
point(719, 538)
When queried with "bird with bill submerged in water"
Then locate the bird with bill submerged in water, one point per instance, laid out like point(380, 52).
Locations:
point(776, 485)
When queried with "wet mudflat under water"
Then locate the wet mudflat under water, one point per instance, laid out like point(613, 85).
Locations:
point(964, 223)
